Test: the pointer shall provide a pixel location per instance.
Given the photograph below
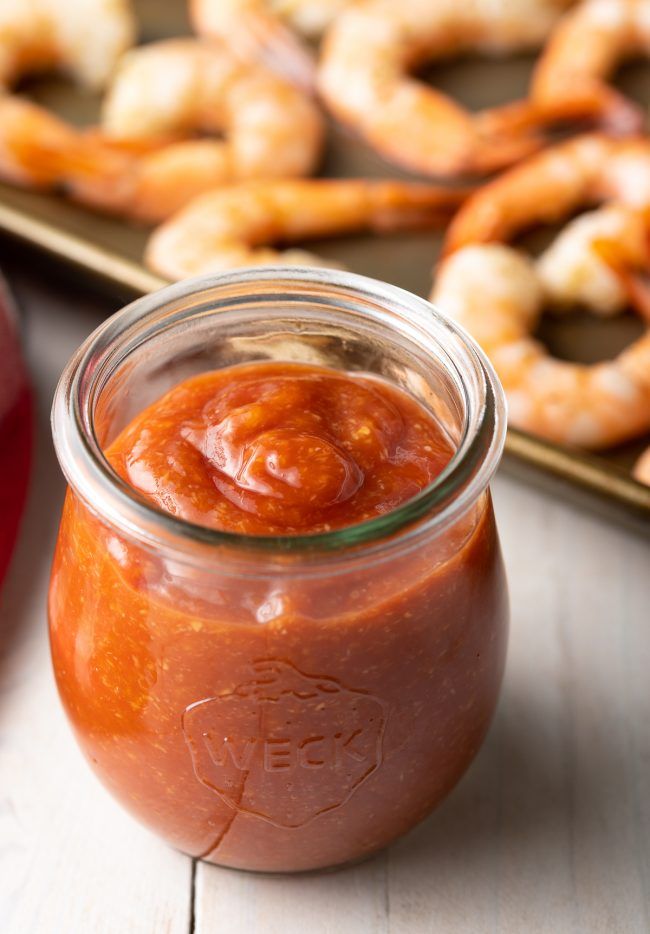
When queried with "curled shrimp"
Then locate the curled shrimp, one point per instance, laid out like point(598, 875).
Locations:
point(269, 31)
point(553, 184)
point(139, 182)
point(33, 143)
point(186, 86)
point(498, 294)
point(38, 150)
point(363, 77)
point(235, 226)
point(641, 470)
point(588, 262)
point(137, 167)
point(583, 51)
point(495, 292)
point(83, 37)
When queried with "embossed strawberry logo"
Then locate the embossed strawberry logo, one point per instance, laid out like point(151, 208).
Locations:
point(285, 746)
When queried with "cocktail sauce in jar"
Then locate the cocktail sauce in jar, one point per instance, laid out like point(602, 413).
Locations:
point(278, 610)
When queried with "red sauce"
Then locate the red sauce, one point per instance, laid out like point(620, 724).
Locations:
point(276, 449)
point(15, 434)
point(279, 720)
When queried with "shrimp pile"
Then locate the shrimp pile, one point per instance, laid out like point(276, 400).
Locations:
point(364, 79)
point(587, 406)
point(140, 164)
point(583, 51)
point(211, 137)
point(498, 294)
point(269, 31)
point(235, 226)
point(181, 87)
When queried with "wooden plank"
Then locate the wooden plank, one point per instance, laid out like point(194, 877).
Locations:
point(549, 831)
point(348, 901)
point(70, 859)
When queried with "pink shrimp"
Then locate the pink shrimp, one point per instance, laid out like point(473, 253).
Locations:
point(572, 73)
point(238, 225)
point(363, 77)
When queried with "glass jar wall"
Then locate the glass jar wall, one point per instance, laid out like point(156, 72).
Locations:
point(278, 703)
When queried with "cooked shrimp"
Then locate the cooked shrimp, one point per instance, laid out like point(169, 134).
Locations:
point(583, 266)
point(38, 150)
point(24, 129)
point(258, 30)
point(498, 294)
point(583, 52)
point(642, 468)
point(149, 186)
point(139, 168)
point(234, 226)
point(495, 292)
point(553, 184)
point(630, 267)
point(83, 37)
point(363, 77)
point(185, 86)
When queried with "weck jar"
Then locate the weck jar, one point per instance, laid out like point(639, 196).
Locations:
point(278, 702)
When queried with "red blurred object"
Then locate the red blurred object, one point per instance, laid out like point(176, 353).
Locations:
point(15, 429)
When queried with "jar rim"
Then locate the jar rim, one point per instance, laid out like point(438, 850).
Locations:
point(89, 473)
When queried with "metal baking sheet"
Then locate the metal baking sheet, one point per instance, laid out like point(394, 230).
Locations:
point(110, 250)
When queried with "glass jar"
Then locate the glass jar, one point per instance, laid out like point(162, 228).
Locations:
point(278, 703)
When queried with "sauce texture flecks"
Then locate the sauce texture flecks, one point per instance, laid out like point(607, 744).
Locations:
point(281, 448)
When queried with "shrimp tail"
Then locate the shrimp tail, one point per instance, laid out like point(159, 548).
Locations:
point(635, 282)
point(518, 119)
point(604, 109)
point(413, 206)
point(258, 35)
point(33, 144)
point(510, 133)
point(281, 50)
point(637, 287)
point(41, 151)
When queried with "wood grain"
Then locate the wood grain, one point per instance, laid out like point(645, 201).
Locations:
point(548, 832)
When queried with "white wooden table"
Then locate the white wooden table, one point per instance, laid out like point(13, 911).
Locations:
point(549, 831)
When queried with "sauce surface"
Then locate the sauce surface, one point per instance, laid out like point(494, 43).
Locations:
point(278, 448)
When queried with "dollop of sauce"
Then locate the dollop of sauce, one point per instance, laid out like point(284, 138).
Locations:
point(280, 448)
